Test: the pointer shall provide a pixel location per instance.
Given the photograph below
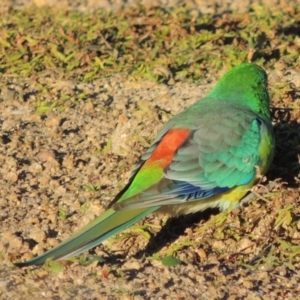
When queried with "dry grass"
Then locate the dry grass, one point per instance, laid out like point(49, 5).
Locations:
point(72, 84)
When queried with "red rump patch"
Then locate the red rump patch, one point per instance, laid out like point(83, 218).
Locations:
point(168, 145)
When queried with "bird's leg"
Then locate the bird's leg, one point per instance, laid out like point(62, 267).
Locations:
point(254, 193)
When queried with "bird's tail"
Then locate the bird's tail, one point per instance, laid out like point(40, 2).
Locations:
point(109, 223)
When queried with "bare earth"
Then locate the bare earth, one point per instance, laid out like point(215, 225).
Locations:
point(60, 170)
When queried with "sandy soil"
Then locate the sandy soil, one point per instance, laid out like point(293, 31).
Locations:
point(58, 171)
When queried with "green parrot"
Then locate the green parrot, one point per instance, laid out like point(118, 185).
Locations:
point(210, 155)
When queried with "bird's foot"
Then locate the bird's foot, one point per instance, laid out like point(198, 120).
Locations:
point(258, 190)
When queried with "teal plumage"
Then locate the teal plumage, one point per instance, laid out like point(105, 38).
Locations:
point(207, 156)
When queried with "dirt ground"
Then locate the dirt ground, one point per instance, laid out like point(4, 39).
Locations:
point(61, 169)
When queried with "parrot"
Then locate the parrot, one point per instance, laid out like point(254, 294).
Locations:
point(208, 156)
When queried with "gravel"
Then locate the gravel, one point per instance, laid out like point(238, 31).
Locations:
point(50, 165)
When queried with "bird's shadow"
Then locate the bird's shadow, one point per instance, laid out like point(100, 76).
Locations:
point(173, 229)
point(286, 159)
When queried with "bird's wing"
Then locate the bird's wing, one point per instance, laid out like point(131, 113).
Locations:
point(221, 153)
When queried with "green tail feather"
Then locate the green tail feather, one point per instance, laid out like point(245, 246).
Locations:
point(109, 223)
